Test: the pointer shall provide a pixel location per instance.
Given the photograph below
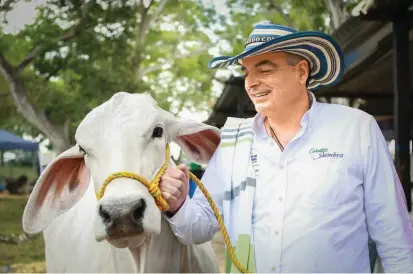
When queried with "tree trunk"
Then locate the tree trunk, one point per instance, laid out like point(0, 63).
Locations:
point(58, 135)
point(337, 12)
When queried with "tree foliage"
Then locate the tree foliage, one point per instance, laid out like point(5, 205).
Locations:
point(76, 54)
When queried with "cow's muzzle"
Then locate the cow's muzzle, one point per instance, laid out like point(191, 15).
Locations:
point(153, 186)
point(121, 223)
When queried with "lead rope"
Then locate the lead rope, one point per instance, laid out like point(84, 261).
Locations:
point(153, 188)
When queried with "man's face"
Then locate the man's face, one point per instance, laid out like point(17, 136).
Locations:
point(271, 82)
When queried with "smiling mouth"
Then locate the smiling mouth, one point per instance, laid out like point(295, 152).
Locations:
point(261, 94)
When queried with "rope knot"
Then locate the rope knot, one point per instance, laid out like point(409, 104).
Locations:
point(154, 190)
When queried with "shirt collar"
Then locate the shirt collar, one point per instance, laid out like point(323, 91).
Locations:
point(306, 121)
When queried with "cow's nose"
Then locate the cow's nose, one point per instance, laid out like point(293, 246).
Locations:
point(122, 212)
point(138, 210)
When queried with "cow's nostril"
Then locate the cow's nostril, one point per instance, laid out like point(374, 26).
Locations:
point(138, 211)
point(105, 215)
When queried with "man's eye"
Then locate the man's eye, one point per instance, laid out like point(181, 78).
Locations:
point(157, 132)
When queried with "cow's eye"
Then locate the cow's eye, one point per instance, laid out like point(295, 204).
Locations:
point(157, 132)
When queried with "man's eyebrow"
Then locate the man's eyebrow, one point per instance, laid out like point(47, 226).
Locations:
point(266, 62)
point(262, 63)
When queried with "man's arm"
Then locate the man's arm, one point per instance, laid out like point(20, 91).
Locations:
point(385, 205)
point(195, 221)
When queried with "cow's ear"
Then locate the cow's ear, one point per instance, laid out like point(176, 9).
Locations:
point(198, 140)
point(59, 187)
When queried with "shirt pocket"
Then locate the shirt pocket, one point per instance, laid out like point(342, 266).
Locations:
point(323, 185)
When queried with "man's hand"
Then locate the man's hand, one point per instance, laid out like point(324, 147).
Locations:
point(174, 186)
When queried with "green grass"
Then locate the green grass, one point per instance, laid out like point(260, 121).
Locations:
point(11, 211)
point(15, 171)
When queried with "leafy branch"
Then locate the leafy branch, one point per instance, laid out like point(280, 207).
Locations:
point(159, 66)
point(70, 34)
point(274, 5)
point(145, 21)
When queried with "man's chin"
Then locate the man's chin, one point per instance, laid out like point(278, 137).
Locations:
point(264, 108)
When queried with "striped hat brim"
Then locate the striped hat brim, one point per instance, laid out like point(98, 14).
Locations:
point(323, 53)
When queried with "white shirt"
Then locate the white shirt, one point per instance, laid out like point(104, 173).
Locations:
point(316, 201)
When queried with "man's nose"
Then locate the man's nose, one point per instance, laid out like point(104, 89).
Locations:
point(251, 81)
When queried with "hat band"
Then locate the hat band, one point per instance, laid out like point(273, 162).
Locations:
point(260, 39)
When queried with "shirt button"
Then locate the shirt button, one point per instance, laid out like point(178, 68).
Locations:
point(280, 199)
point(281, 167)
point(276, 232)
point(273, 268)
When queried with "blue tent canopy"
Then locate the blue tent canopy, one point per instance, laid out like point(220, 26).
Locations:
point(11, 141)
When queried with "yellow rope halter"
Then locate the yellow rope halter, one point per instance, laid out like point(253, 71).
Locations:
point(153, 188)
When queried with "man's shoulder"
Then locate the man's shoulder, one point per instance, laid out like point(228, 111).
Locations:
point(235, 126)
point(236, 131)
point(235, 122)
point(338, 111)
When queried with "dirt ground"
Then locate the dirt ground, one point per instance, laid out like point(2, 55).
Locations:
point(36, 267)
point(40, 267)
point(6, 195)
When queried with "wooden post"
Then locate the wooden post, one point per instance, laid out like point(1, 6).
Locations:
point(401, 100)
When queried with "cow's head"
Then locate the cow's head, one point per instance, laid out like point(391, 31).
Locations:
point(127, 133)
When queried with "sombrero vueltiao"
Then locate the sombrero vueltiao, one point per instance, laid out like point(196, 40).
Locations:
point(322, 52)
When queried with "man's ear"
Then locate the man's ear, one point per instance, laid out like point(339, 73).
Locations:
point(198, 140)
point(59, 187)
point(304, 71)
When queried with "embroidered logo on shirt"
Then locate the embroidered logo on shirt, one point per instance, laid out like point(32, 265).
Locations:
point(318, 153)
point(255, 165)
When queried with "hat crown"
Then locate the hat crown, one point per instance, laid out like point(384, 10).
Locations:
point(323, 53)
point(266, 31)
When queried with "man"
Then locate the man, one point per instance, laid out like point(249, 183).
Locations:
point(305, 184)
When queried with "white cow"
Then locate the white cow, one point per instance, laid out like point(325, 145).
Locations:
point(124, 231)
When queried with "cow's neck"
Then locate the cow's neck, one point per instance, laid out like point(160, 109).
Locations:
point(162, 247)
point(160, 253)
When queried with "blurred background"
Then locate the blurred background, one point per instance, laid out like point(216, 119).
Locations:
point(59, 59)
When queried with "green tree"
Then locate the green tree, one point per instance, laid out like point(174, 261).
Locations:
point(76, 54)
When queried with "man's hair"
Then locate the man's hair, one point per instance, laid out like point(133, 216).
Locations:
point(293, 59)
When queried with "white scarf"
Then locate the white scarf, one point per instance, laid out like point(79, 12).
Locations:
point(236, 143)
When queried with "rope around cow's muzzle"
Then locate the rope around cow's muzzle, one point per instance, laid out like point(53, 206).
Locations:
point(154, 190)
point(153, 186)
